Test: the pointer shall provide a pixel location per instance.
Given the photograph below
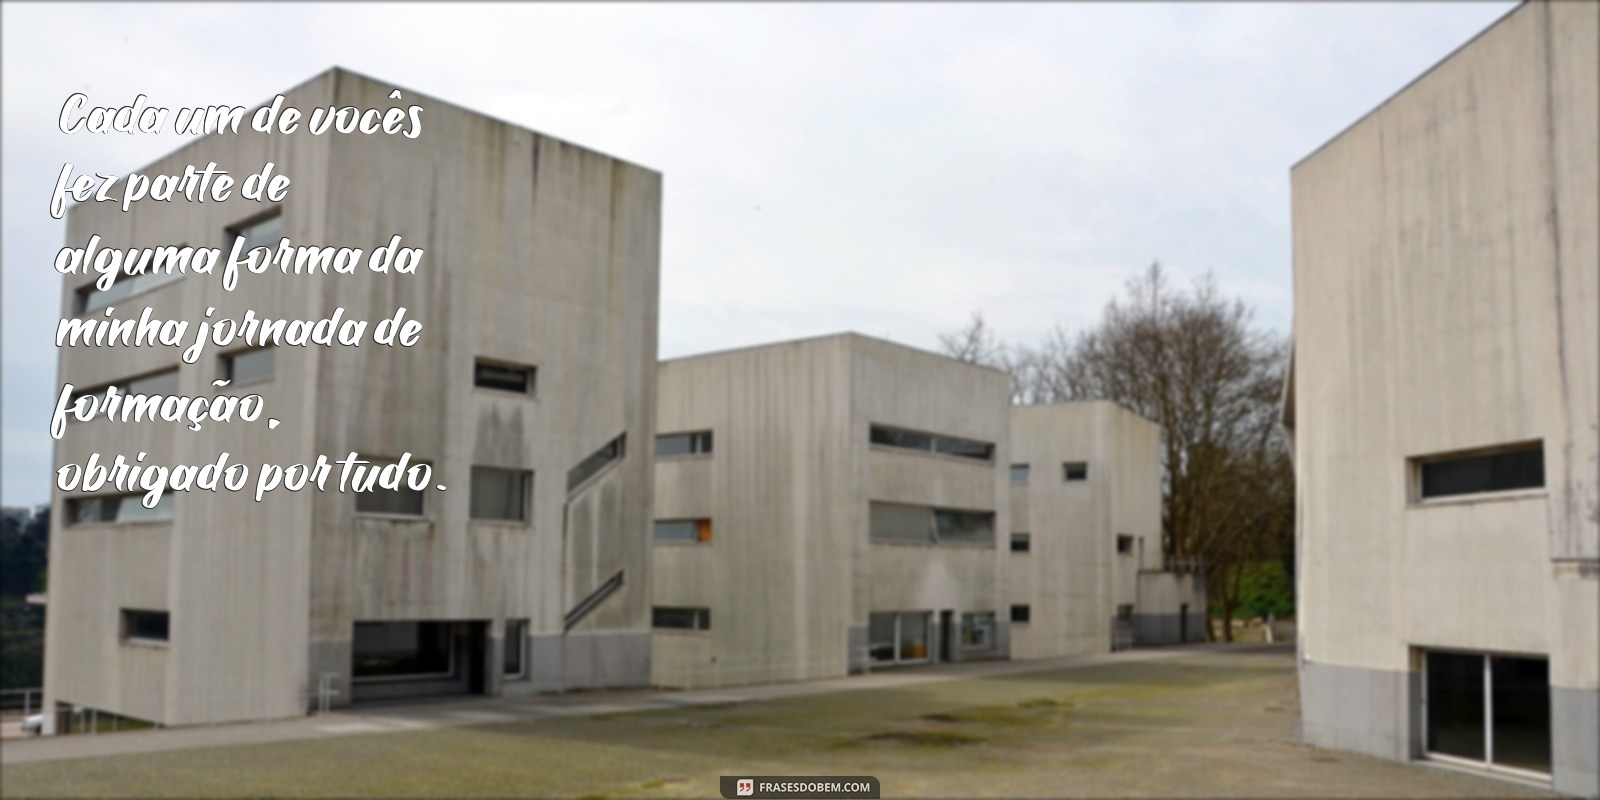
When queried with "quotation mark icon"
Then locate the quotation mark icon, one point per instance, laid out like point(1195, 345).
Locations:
point(745, 788)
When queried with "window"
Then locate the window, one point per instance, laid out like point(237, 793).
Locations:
point(149, 626)
point(162, 383)
point(263, 232)
point(1125, 612)
point(964, 527)
point(931, 443)
point(1124, 544)
point(686, 619)
point(1021, 543)
point(891, 522)
point(117, 508)
point(895, 522)
point(977, 631)
point(1505, 469)
point(597, 461)
point(898, 637)
point(1075, 470)
point(683, 530)
point(514, 649)
point(503, 377)
point(248, 366)
point(402, 502)
point(1021, 613)
point(399, 650)
point(1019, 474)
point(500, 494)
point(1492, 710)
point(159, 273)
point(683, 444)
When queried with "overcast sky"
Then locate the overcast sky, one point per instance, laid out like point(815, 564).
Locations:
point(887, 169)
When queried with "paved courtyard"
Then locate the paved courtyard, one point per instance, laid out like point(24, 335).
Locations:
point(1199, 721)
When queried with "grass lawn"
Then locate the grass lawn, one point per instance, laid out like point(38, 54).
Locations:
point(1207, 724)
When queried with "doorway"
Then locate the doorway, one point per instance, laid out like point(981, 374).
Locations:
point(1488, 710)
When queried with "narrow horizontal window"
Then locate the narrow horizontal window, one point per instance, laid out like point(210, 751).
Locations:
point(150, 626)
point(500, 494)
point(902, 439)
point(1504, 469)
point(1021, 543)
point(896, 522)
point(503, 377)
point(159, 273)
point(248, 366)
point(669, 445)
point(964, 448)
point(685, 619)
point(1019, 474)
point(964, 527)
point(402, 502)
point(1075, 470)
point(591, 466)
point(683, 530)
point(117, 508)
point(163, 383)
point(1021, 613)
point(900, 523)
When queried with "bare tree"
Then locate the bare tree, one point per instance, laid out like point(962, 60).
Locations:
point(1193, 362)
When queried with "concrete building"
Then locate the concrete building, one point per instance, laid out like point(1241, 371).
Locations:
point(523, 567)
point(841, 504)
point(1086, 567)
point(1443, 410)
point(823, 506)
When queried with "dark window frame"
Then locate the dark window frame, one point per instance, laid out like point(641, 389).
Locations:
point(1024, 539)
point(937, 444)
point(698, 617)
point(1516, 467)
point(1021, 613)
point(701, 443)
point(145, 625)
point(702, 534)
point(383, 461)
point(1074, 471)
point(443, 628)
point(526, 507)
point(529, 373)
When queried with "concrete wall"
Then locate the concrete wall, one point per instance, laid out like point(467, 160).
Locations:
point(231, 572)
point(910, 389)
point(789, 576)
point(1445, 299)
point(1073, 579)
point(776, 570)
point(538, 252)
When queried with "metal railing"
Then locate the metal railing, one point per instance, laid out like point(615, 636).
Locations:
point(25, 700)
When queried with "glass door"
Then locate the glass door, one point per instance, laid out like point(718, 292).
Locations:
point(1490, 711)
